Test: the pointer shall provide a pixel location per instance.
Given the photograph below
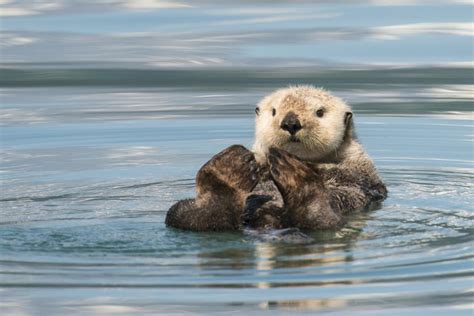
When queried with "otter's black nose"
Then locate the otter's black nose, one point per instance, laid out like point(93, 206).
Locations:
point(291, 123)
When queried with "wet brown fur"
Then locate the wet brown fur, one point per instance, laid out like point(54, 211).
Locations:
point(222, 186)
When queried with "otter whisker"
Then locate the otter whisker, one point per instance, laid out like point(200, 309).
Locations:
point(317, 143)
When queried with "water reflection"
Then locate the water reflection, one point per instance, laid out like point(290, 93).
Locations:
point(146, 34)
point(261, 261)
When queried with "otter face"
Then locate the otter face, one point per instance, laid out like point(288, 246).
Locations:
point(307, 122)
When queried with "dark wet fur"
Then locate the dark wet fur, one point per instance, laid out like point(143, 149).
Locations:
point(233, 193)
point(222, 186)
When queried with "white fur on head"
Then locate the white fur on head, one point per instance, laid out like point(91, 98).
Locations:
point(318, 137)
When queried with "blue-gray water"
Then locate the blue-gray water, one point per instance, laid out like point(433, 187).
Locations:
point(89, 170)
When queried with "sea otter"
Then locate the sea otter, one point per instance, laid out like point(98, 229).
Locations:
point(306, 170)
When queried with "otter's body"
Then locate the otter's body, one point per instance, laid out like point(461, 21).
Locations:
point(306, 170)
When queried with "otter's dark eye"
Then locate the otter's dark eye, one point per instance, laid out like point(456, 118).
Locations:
point(320, 113)
point(257, 110)
point(274, 112)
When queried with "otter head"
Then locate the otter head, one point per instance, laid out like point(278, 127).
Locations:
point(305, 121)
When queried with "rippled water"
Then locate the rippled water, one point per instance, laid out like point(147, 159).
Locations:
point(88, 174)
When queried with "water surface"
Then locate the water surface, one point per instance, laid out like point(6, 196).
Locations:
point(88, 173)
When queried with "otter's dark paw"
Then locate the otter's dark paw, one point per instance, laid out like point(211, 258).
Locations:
point(252, 205)
point(289, 173)
point(234, 167)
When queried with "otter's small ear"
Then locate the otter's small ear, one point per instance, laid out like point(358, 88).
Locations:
point(348, 118)
point(257, 110)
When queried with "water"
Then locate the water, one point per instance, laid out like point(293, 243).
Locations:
point(88, 173)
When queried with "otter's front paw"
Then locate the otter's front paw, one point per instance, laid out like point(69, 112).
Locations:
point(303, 191)
point(288, 172)
point(253, 204)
